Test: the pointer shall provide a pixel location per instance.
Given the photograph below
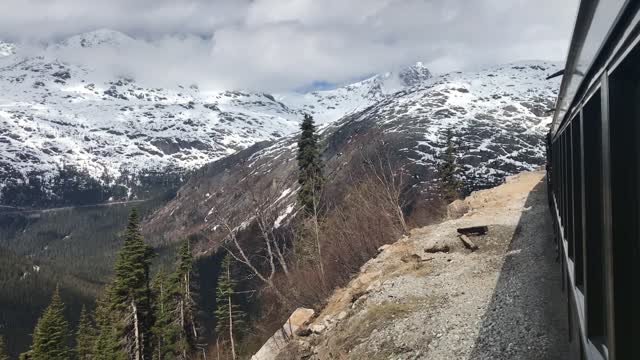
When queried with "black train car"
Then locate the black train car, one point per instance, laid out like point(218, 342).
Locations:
point(594, 179)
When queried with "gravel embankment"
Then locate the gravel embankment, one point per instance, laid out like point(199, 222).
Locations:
point(503, 301)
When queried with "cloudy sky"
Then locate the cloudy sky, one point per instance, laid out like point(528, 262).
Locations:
point(278, 45)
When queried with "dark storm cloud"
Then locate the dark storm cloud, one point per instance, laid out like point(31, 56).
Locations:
point(286, 44)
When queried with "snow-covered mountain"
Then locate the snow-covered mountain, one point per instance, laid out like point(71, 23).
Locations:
point(498, 118)
point(56, 114)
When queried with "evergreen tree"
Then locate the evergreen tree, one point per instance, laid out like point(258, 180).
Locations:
point(107, 344)
point(183, 302)
point(130, 291)
point(175, 330)
point(229, 317)
point(165, 329)
point(51, 333)
point(449, 183)
point(309, 167)
point(3, 350)
point(85, 337)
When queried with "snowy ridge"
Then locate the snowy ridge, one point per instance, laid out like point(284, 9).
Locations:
point(498, 118)
point(55, 114)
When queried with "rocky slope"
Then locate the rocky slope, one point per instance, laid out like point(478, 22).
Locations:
point(58, 114)
point(428, 297)
point(497, 116)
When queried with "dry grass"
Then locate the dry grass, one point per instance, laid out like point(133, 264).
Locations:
point(360, 327)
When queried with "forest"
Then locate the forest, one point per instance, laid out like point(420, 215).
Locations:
point(155, 304)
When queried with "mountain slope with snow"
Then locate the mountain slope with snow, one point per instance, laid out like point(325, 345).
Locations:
point(498, 118)
point(57, 114)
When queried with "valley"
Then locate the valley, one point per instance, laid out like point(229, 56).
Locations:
point(79, 150)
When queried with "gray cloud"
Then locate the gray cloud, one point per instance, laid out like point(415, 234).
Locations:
point(278, 45)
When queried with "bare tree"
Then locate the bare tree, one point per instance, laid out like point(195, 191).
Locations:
point(390, 183)
point(266, 214)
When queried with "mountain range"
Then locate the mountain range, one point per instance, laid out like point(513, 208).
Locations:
point(79, 148)
point(60, 115)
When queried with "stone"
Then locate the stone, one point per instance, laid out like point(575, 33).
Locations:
point(413, 258)
point(318, 328)
point(303, 332)
point(298, 319)
point(342, 315)
point(436, 248)
point(383, 248)
point(457, 209)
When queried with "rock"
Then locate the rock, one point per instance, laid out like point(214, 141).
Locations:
point(413, 258)
point(342, 315)
point(303, 332)
point(318, 328)
point(383, 248)
point(374, 285)
point(457, 209)
point(300, 317)
point(357, 296)
point(437, 248)
point(279, 340)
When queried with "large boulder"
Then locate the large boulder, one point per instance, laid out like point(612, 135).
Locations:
point(276, 343)
point(457, 209)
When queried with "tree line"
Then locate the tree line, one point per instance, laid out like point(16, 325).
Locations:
point(137, 316)
point(140, 316)
point(324, 242)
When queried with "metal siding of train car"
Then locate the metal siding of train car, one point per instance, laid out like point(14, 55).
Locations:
point(597, 223)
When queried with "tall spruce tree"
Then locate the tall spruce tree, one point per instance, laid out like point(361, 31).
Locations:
point(50, 337)
point(309, 167)
point(449, 183)
point(165, 329)
point(183, 302)
point(85, 337)
point(229, 316)
point(131, 293)
point(107, 344)
point(3, 350)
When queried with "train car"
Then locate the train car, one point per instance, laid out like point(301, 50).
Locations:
point(594, 179)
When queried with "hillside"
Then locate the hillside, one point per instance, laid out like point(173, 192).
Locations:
point(498, 118)
point(72, 137)
point(427, 296)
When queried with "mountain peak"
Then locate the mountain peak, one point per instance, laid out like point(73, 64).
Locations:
point(414, 74)
point(7, 49)
point(96, 38)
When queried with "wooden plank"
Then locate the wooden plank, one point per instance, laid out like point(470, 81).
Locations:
point(468, 243)
point(475, 230)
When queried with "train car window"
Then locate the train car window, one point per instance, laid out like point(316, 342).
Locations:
point(624, 125)
point(570, 189)
point(595, 305)
point(567, 190)
point(563, 192)
point(576, 134)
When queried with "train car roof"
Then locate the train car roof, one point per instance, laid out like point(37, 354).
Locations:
point(597, 26)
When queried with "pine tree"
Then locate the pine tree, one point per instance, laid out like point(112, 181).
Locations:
point(165, 330)
point(309, 167)
point(107, 344)
point(85, 337)
point(3, 350)
point(184, 305)
point(51, 333)
point(449, 183)
point(130, 291)
point(229, 317)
